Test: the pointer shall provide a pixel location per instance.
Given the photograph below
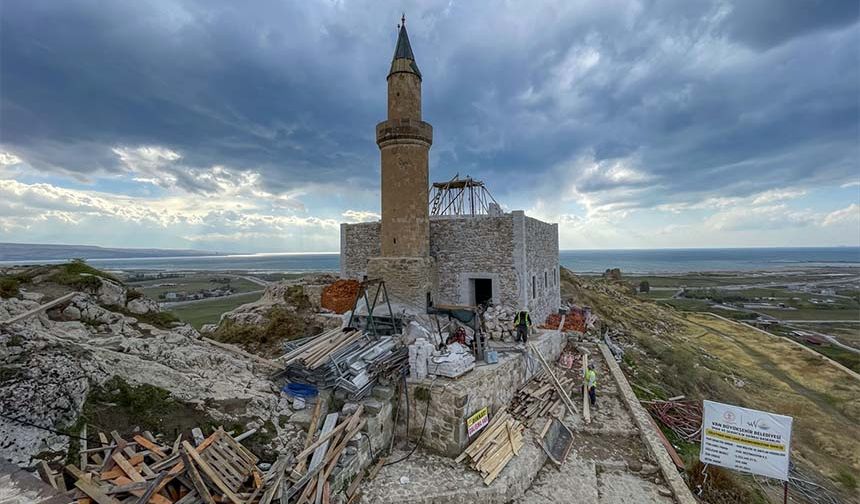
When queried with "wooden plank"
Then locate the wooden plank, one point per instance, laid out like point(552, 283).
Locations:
point(127, 467)
point(196, 480)
point(153, 448)
point(94, 492)
point(511, 439)
point(210, 472)
point(39, 309)
point(324, 437)
point(586, 412)
point(154, 498)
point(559, 388)
point(83, 447)
point(312, 430)
point(46, 474)
point(144, 499)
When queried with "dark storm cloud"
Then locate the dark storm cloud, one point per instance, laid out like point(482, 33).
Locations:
point(696, 96)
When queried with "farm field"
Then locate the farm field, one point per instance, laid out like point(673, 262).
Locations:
point(209, 311)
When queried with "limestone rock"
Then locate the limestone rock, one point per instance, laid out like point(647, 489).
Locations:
point(142, 305)
point(72, 312)
point(111, 293)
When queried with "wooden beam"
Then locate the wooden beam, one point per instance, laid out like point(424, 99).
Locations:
point(565, 398)
point(94, 492)
point(586, 412)
point(196, 480)
point(210, 473)
point(39, 309)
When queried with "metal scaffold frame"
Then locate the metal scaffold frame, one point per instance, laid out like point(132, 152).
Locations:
point(460, 197)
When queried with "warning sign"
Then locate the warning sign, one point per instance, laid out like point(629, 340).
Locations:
point(746, 440)
point(477, 421)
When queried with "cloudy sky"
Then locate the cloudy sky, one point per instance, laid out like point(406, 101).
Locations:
point(249, 126)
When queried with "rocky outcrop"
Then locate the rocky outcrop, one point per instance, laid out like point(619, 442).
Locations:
point(50, 362)
point(142, 305)
point(111, 293)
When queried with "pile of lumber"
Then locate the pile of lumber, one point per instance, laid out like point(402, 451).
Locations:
point(309, 477)
point(538, 397)
point(318, 351)
point(146, 469)
point(499, 442)
point(349, 360)
point(218, 469)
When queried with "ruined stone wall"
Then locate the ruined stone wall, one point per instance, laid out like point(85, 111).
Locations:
point(452, 401)
point(474, 247)
point(358, 243)
point(541, 265)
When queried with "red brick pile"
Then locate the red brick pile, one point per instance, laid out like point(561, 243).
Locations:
point(339, 297)
point(573, 321)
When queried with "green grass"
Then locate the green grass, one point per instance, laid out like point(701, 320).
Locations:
point(194, 283)
point(848, 359)
point(8, 287)
point(80, 275)
point(687, 304)
point(814, 314)
point(210, 311)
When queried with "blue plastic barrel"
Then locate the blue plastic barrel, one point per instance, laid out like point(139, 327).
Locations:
point(303, 390)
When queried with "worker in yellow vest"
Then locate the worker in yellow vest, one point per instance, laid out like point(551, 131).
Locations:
point(590, 383)
point(522, 324)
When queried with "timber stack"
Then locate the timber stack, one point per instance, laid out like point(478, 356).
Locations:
point(345, 359)
point(538, 398)
point(497, 445)
point(146, 469)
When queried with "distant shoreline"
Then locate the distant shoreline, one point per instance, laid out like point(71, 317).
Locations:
point(664, 262)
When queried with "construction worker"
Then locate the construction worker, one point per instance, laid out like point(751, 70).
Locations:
point(522, 323)
point(590, 383)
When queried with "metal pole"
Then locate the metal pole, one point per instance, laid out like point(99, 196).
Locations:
point(785, 492)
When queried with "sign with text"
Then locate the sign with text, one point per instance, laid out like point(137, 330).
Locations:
point(746, 440)
point(477, 421)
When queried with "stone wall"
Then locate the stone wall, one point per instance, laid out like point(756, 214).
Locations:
point(510, 249)
point(541, 258)
point(451, 401)
point(408, 280)
point(358, 243)
point(474, 247)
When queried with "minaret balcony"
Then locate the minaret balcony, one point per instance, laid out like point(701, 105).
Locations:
point(403, 131)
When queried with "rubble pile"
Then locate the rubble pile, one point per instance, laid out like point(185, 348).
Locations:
point(51, 361)
point(499, 322)
point(339, 297)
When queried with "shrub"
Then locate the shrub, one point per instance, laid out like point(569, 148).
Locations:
point(8, 287)
point(133, 294)
point(80, 275)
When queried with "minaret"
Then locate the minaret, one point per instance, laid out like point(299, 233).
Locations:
point(404, 143)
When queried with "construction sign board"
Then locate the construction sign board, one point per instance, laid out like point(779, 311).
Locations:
point(746, 440)
point(477, 421)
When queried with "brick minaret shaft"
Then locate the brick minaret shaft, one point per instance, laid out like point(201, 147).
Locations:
point(404, 142)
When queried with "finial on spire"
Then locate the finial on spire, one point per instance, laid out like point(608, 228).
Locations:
point(403, 19)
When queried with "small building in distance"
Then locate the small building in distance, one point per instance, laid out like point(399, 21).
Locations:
point(461, 248)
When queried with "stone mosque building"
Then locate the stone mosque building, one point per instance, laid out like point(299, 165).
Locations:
point(457, 247)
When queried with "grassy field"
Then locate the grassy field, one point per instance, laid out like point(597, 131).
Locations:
point(209, 311)
point(671, 352)
point(813, 314)
point(193, 283)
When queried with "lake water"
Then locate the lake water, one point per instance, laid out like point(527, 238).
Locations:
point(581, 261)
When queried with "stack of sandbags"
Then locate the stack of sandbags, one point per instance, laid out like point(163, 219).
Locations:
point(499, 322)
